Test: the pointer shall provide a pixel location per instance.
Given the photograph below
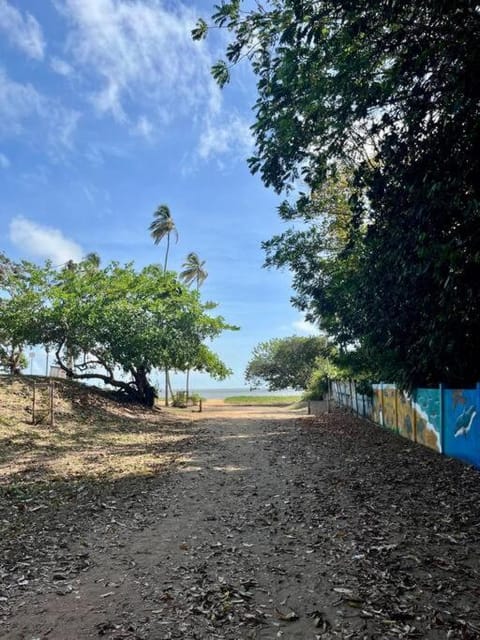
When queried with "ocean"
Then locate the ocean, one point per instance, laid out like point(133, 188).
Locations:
point(221, 393)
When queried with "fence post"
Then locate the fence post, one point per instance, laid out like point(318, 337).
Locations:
point(396, 410)
point(381, 405)
point(414, 410)
point(441, 388)
point(33, 403)
point(308, 408)
point(52, 404)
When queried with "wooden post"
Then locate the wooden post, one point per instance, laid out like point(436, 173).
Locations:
point(308, 408)
point(33, 406)
point(200, 406)
point(166, 387)
point(52, 404)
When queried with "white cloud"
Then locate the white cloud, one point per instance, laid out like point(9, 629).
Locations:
point(138, 54)
point(4, 161)
point(23, 32)
point(144, 127)
point(25, 111)
point(223, 135)
point(43, 242)
point(302, 326)
point(61, 66)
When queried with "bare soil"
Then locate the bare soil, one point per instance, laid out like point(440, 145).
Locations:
point(254, 523)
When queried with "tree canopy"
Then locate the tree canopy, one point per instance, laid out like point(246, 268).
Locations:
point(115, 324)
point(286, 363)
point(388, 94)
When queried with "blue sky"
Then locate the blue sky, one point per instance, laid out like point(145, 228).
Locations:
point(108, 109)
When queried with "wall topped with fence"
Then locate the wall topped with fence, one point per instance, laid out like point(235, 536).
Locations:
point(446, 420)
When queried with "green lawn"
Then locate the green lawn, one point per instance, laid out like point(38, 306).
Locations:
point(262, 400)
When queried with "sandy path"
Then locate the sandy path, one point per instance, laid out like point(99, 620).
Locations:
point(273, 526)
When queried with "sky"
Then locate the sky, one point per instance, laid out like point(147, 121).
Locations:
point(108, 109)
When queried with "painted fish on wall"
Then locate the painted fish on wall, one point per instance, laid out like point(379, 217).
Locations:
point(461, 433)
point(464, 421)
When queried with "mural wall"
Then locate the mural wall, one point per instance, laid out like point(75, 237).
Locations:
point(462, 424)
point(446, 420)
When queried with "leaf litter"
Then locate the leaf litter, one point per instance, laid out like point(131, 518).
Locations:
point(333, 528)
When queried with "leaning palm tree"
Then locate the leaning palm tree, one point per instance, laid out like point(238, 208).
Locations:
point(93, 260)
point(193, 270)
point(163, 225)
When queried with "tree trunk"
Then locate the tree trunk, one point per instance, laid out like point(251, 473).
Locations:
point(166, 252)
point(140, 390)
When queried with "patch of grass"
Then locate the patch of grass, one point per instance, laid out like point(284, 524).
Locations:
point(94, 437)
point(273, 401)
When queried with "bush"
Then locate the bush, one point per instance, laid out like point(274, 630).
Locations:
point(317, 386)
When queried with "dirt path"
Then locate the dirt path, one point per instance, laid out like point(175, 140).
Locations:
point(270, 526)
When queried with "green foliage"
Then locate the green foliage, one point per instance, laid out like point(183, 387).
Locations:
point(388, 95)
point(114, 324)
point(272, 401)
point(22, 287)
point(283, 363)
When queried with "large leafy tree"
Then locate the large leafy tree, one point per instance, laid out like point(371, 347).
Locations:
point(286, 363)
point(162, 227)
point(120, 324)
point(390, 91)
point(22, 297)
point(115, 324)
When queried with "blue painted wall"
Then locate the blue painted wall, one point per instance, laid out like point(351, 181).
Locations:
point(447, 420)
point(462, 424)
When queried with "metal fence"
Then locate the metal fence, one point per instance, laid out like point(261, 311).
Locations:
point(346, 395)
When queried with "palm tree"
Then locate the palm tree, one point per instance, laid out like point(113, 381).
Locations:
point(163, 225)
point(193, 270)
point(93, 260)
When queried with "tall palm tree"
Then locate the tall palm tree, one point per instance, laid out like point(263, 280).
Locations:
point(163, 225)
point(193, 270)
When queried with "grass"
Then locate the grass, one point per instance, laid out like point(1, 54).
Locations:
point(93, 437)
point(273, 401)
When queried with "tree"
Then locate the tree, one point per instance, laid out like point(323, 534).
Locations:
point(193, 270)
point(22, 297)
point(162, 226)
point(286, 363)
point(114, 324)
point(126, 323)
point(391, 92)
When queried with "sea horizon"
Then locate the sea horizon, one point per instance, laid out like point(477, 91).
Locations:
point(222, 392)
